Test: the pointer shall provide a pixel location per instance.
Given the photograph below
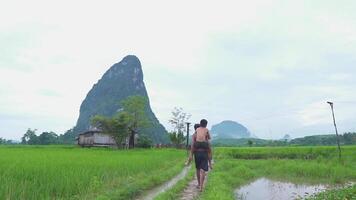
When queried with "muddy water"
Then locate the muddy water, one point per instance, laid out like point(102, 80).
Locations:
point(151, 194)
point(266, 189)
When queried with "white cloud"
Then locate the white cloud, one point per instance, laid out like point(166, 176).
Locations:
point(315, 113)
point(259, 62)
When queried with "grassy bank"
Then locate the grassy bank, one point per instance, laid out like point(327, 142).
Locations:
point(64, 172)
point(295, 164)
point(347, 193)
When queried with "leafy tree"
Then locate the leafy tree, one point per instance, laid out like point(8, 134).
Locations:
point(134, 108)
point(44, 138)
point(48, 138)
point(178, 121)
point(128, 122)
point(4, 141)
point(177, 139)
point(349, 138)
point(250, 143)
point(68, 137)
point(116, 126)
point(30, 137)
point(144, 142)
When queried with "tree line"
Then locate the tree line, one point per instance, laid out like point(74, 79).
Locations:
point(127, 123)
point(45, 138)
point(314, 140)
point(5, 141)
point(345, 139)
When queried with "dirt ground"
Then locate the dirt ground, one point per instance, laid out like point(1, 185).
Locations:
point(192, 191)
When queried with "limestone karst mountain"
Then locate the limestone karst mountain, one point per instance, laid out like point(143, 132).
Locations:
point(230, 129)
point(122, 80)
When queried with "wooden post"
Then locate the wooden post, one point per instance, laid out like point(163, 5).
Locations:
point(188, 124)
point(337, 134)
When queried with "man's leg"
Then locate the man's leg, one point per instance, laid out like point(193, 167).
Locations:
point(197, 166)
point(202, 177)
point(203, 169)
point(198, 177)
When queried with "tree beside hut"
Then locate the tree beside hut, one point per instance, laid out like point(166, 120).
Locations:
point(127, 123)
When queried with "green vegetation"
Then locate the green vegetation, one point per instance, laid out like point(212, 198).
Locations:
point(67, 172)
point(47, 137)
point(144, 142)
point(116, 126)
point(177, 139)
point(128, 122)
point(315, 140)
point(178, 121)
point(326, 152)
point(250, 143)
point(238, 166)
point(244, 142)
point(44, 138)
point(4, 141)
point(346, 193)
point(345, 139)
point(131, 120)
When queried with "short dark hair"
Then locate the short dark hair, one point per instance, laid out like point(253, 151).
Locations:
point(196, 126)
point(203, 123)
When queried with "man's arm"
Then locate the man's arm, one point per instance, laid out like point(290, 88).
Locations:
point(193, 141)
point(208, 135)
point(192, 146)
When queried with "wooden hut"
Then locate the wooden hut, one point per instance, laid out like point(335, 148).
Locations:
point(95, 139)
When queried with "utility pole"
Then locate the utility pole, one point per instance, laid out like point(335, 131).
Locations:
point(337, 135)
point(188, 124)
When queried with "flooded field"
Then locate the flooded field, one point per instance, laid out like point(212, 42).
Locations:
point(266, 189)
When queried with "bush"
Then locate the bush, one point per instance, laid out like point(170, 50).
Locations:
point(144, 142)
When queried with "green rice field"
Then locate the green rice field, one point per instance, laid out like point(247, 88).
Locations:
point(69, 172)
point(60, 172)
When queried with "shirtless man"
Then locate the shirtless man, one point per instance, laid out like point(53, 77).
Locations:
point(200, 148)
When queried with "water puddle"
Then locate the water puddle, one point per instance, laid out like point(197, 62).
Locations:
point(266, 189)
point(151, 194)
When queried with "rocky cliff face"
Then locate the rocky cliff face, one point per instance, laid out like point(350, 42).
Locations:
point(229, 129)
point(122, 80)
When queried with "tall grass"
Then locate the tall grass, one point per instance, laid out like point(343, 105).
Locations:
point(75, 173)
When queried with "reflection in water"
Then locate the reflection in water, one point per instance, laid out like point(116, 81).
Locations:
point(266, 189)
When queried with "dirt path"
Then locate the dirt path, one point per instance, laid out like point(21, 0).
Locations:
point(151, 194)
point(191, 192)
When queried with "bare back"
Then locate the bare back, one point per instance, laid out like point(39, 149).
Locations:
point(202, 134)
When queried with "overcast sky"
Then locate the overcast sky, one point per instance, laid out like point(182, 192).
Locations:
point(270, 65)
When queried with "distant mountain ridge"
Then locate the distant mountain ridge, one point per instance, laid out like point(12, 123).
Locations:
point(229, 129)
point(122, 80)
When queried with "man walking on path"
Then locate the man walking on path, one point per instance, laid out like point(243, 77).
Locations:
point(201, 148)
